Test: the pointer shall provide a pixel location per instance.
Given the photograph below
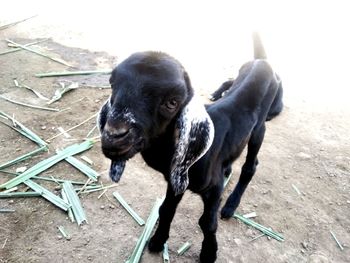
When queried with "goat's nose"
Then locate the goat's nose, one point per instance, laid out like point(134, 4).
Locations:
point(118, 131)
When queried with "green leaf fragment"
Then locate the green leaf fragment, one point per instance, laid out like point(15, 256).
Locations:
point(261, 228)
point(70, 212)
point(141, 243)
point(73, 73)
point(74, 200)
point(134, 215)
point(183, 248)
point(166, 258)
point(19, 194)
point(88, 171)
point(47, 163)
point(54, 199)
point(64, 233)
point(23, 157)
point(6, 210)
point(61, 91)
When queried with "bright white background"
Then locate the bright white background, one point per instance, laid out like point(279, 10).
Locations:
point(306, 41)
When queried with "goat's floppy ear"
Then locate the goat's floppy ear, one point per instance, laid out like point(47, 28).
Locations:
point(194, 134)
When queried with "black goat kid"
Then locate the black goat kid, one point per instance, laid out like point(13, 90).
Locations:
point(153, 110)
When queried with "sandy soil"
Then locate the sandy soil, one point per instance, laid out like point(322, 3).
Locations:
point(306, 146)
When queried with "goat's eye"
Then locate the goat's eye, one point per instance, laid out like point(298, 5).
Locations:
point(171, 104)
point(169, 107)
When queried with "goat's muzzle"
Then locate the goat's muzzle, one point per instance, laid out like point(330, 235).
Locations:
point(120, 143)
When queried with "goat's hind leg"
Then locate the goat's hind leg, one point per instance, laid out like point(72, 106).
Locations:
point(209, 223)
point(166, 215)
point(248, 170)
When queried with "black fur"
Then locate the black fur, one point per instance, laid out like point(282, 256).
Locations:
point(148, 85)
point(220, 92)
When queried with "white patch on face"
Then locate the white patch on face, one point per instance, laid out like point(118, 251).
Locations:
point(102, 111)
point(106, 111)
point(125, 115)
point(129, 116)
point(195, 126)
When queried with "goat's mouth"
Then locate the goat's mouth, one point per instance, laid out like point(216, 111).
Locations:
point(121, 151)
point(119, 154)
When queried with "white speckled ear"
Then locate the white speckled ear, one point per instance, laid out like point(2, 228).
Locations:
point(194, 135)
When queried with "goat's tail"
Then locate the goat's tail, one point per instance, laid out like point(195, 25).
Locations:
point(259, 50)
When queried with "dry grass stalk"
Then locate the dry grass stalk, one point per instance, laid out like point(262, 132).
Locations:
point(28, 105)
point(58, 60)
point(18, 49)
point(73, 73)
point(72, 128)
point(15, 23)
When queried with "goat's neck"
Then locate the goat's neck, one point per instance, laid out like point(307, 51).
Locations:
point(160, 151)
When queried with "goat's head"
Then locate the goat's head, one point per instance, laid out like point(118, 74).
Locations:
point(150, 90)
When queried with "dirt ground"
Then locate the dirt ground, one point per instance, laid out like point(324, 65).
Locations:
point(306, 147)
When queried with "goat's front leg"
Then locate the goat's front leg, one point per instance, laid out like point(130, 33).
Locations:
point(209, 223)
point(248, 170)
point(166, 215)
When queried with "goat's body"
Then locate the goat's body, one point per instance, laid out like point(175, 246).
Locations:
point(160, 119)
point(240, 112)
point(239, 120)
point(236, 114)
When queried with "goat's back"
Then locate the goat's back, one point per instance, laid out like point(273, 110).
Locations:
point(255, 81)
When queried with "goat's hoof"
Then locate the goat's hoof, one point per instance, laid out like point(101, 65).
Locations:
point(155, 246)
point(227, 212)
point(213, 98)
